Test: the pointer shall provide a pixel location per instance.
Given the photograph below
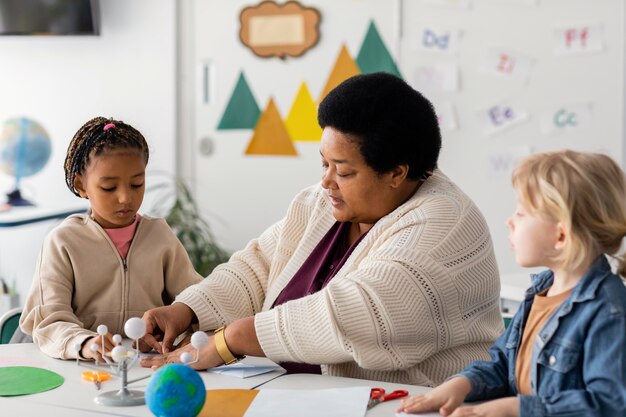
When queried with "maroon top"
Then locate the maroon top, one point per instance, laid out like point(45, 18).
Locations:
point(315, 273)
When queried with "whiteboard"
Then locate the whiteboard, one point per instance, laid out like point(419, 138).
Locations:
point(591, 80)
point(242, 195)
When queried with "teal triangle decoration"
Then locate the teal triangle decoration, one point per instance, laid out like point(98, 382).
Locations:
point(242, 110)
point(374, 56)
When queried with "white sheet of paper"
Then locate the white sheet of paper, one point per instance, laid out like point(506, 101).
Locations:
point(502, 163)
point(437, 77)
point(446, 115)
point(243, 370)
point(507, 64)
point(336, 402)
point(502, 116)
point(579, 39)
point(566, 118)
point(439, 40)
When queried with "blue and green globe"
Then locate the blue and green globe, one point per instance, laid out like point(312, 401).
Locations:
point(24, 147)
point(24, 150)
point(175, 390)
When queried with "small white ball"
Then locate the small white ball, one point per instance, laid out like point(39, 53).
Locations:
point(102, 329)
point(186, 357)
point(117, 339)
point(135, 328)
point(118, 353)
point(93, 347)
point(199, 340)
point(77, 347)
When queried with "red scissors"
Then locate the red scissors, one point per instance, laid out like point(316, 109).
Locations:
point(378, 396)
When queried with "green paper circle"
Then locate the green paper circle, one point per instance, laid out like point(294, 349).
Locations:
point(23, 380)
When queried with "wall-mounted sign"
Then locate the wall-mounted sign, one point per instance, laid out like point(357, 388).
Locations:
point(288, 29)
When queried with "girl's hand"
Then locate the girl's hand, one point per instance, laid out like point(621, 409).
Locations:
point(502, 407)
point(444, 399)
point(87, 352)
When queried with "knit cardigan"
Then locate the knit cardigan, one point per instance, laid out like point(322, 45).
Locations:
point(416, 301)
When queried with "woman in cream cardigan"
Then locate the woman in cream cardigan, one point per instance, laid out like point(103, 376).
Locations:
point(384, 270)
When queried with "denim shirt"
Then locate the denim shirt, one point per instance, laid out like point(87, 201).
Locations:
point(578, 364)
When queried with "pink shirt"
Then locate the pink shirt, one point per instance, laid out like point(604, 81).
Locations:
point(123, 236)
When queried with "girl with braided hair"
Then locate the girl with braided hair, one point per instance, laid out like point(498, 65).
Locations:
point(110, 264)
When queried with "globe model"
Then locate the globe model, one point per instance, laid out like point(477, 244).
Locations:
point(175, 390)
point(24, 147)
point(24, 150)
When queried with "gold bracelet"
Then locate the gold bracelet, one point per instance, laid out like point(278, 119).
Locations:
point(222, 348)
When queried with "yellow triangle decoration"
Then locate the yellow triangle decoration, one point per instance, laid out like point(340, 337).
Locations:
point(344, 68)
point(301, 121)
point(270, 136)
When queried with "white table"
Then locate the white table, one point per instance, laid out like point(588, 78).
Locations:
point(76, 395)
point(18, 216)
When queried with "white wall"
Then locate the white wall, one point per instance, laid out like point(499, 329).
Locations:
point(230, 185)
point(128, 72)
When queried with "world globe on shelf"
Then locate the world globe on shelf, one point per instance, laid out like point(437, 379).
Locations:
point(175, 390)
point(24, 150)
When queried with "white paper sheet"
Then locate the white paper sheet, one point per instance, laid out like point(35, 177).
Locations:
point(502, 163)
point(446, 116)
point(439, 40)
point(336, 402)
point(243, 370)
point(507, 64)
point(501, 116)
point(578, 39)
point(439, 77)
point(565, 118)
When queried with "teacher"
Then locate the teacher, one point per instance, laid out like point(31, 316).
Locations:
point(384, 270)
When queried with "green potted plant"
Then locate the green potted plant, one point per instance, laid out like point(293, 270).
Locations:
point(175, 202)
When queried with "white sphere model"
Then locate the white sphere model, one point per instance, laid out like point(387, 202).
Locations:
point(117, 339)
point(118, 353)
point(93, 347)
point(186, 357)
point(77, 347)
point(135, 328)
point(102, 329)
point(199, 340)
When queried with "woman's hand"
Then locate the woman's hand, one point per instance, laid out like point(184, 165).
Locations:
point(240, 337)
point(209, 358)
point(165, 324)
point(87, 352)
point(444, 399)
point(502, 407)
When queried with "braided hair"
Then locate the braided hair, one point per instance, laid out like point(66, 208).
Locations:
point(94, 138)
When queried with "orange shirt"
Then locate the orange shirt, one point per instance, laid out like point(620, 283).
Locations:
point(540, 311)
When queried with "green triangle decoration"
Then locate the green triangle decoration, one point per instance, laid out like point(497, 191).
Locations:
point(374, 56)
point(242, 110)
